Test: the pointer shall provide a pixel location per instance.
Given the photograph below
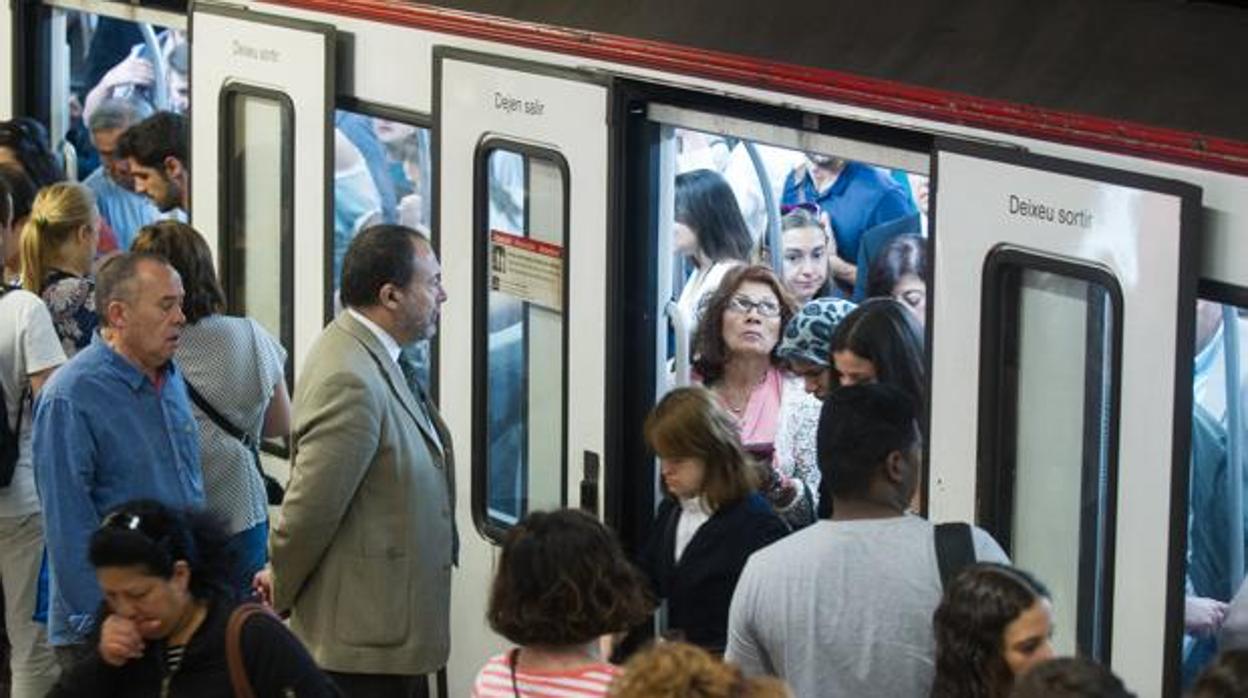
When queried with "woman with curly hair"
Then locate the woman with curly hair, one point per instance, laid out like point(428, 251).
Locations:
point(562, 583)
point(680, 670)
point(992, 626)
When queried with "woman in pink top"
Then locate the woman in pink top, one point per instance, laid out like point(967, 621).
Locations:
point(735, 356)
point(562, 584)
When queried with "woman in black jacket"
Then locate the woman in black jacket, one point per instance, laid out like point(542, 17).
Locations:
point(712, 519)
point(168, 605)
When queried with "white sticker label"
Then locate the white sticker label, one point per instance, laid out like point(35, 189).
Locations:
point(527, 269)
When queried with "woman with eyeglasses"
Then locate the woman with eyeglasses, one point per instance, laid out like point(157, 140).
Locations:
point(710, 232)
point(734, 356)
point(897, 273)
point(806, 248)
point(165, 629)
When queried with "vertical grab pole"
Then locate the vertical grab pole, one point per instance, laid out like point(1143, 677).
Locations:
point(160, 68)
point(669, 274)
point(774, 250)
point(1234, 441)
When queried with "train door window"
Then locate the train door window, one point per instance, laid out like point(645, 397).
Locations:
point(136, 55)
point(381, 175)
point(1053, 328)
point(1216, 510)
point(520, 397)
point(258, 233)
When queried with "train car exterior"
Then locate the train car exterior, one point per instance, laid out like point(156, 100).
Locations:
point(1069, 253)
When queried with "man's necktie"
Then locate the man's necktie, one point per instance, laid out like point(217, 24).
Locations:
point(409, 364)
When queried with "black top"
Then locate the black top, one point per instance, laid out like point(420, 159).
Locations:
point(699, 587)
point(276, 663)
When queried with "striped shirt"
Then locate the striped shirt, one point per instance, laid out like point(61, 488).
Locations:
point(589, 681)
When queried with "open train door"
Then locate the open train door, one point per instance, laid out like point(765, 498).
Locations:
point(269, 158)
point(1069, 291)
point(521, 152)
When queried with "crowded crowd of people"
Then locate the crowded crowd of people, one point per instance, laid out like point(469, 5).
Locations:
point(788, 556)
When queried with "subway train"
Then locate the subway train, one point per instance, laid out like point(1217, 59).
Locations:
point(1087, 192)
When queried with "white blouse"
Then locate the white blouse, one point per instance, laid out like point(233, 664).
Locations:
point(693, 513)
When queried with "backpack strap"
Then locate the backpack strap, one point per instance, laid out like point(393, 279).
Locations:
point(955, 549)
point(234, 647)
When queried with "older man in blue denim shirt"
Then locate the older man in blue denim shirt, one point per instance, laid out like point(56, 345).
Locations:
point(113, 425)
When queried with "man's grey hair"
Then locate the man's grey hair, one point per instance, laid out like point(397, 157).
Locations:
point(117, 278)
point(118, 113)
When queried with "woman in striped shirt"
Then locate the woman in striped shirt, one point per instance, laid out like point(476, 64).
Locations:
point(562, 584)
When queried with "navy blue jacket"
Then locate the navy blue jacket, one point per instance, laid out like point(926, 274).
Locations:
point(698, 589)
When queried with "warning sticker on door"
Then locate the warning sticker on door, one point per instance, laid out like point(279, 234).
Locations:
point(527, 269)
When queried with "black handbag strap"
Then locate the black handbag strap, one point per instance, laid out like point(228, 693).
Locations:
point(247, 439)
point(955, 550)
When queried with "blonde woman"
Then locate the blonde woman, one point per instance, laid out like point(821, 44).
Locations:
point(57, 250)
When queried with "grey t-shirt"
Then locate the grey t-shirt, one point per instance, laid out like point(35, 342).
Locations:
point(844, 608)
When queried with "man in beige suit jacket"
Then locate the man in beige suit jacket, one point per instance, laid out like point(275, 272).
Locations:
point(363, 547)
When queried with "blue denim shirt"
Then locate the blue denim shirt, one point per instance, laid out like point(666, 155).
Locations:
point(104, 435)
point(862, 197)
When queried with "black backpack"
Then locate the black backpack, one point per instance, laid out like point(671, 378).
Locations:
point(9, 446)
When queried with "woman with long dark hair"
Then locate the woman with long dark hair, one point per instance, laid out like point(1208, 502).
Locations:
point(710, 232)
point(992, 626)
point(165, 628)
point(880, 342)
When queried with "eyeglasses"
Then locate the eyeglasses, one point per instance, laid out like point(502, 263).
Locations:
point(808, 207)
point(744, 305)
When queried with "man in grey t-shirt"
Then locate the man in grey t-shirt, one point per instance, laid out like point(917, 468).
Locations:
point(844, 607)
